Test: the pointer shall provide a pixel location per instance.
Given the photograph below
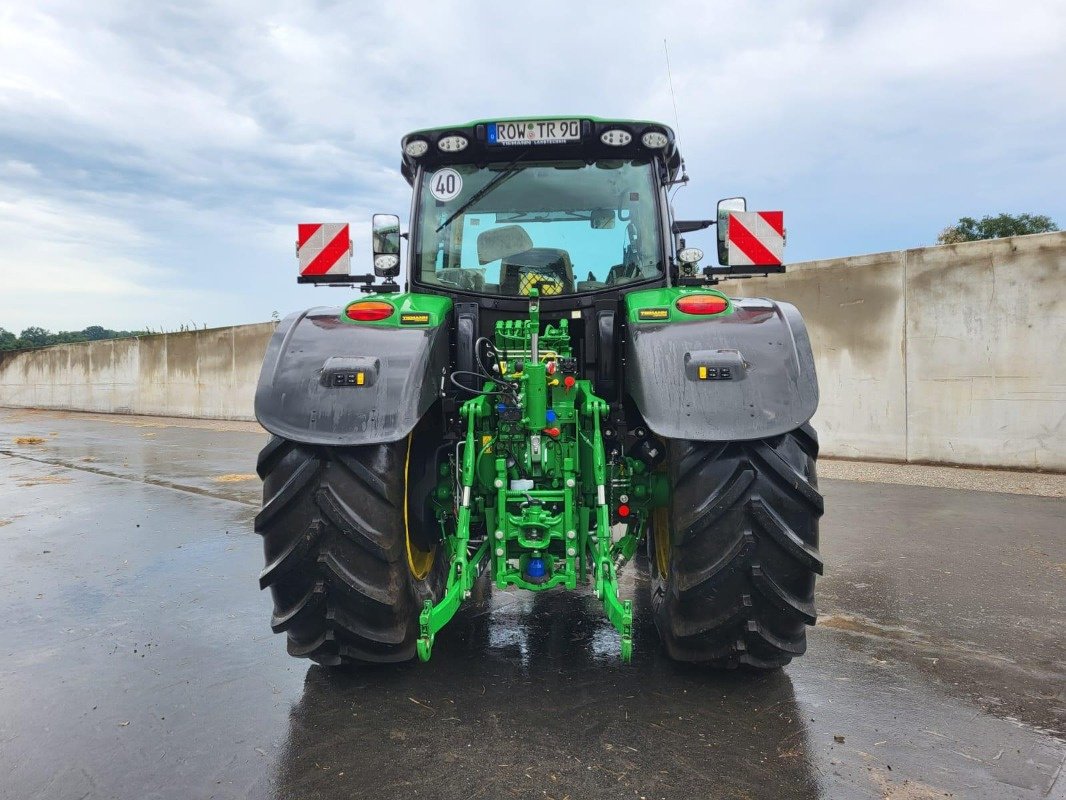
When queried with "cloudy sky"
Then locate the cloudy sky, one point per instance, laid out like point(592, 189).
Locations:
point(156, 157)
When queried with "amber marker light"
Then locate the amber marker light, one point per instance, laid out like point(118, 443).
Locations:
point(368, 311)
point(702, 304)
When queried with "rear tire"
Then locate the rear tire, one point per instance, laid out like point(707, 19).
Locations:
point(734, 557)
point(339, 562)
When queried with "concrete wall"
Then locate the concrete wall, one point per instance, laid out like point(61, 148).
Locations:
point(951, 354)
point(209, 373)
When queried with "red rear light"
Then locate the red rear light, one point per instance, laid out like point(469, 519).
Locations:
point(369, 311)
point(702, 304)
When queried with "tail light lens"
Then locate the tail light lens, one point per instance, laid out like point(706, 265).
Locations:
point(702, 304)
point(368, 311)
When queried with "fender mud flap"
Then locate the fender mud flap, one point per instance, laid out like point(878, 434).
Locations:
point(757, 377)
point(605, 350)
point(327, 382)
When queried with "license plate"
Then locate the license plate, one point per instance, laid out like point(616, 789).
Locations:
point(548, 131)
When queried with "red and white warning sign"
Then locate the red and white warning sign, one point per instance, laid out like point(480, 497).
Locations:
point(756, 238)
point(324, 249)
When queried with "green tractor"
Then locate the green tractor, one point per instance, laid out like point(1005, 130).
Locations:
point(557, 385)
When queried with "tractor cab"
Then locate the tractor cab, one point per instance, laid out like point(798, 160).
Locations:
point(571, 206)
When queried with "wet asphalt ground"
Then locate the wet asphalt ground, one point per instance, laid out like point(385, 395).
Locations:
point(137, 661)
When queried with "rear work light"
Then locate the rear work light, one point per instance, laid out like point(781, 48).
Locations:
point(702, 304)
point(616, 137)
point(654, 140)
point(368, 311)
point(416, 148)
point(453, 144)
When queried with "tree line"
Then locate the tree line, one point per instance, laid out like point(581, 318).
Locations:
point(35, 336)
point(968, 229)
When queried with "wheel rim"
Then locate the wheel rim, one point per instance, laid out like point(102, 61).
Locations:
point(660, 531)
point(419, 561)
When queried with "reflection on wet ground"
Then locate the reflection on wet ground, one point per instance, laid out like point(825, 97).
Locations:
point(526, 698)
point(137, 660)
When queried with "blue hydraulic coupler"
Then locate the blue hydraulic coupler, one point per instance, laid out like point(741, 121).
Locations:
point(536, 570)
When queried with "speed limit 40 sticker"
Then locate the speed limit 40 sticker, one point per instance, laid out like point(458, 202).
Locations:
point(445, 184)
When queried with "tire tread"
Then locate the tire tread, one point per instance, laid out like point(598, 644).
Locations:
point(744, 553)
point(332, 525)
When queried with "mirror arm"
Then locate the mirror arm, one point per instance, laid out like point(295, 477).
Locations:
point(388, 287)
point(690, 225)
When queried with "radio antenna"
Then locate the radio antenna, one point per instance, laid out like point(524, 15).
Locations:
point(677, 120)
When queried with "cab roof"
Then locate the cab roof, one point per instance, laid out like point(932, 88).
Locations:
point(484, 145)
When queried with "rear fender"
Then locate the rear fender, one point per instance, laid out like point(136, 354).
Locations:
point(759, 379)
point(310, 389)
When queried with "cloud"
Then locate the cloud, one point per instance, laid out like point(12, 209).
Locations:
point(16, 170)
point(168, 150)
point(62, 263)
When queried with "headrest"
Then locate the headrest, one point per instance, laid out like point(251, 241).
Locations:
point(502, 242)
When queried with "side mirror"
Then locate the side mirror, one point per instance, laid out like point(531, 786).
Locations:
point(385, 233)
point(725, 208)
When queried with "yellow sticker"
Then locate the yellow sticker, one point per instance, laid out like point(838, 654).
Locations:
point(653, 313)
point(360, 378)
point(549, 284)
point(703, 373)
point(414, 318)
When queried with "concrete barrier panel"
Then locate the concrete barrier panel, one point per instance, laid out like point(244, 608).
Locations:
point(151, 396)
point(986, 353)
point(125, 369)
point(214, 369)
point(51, 378)
point(14, 390)
point(182, 374)
point(80, 377)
